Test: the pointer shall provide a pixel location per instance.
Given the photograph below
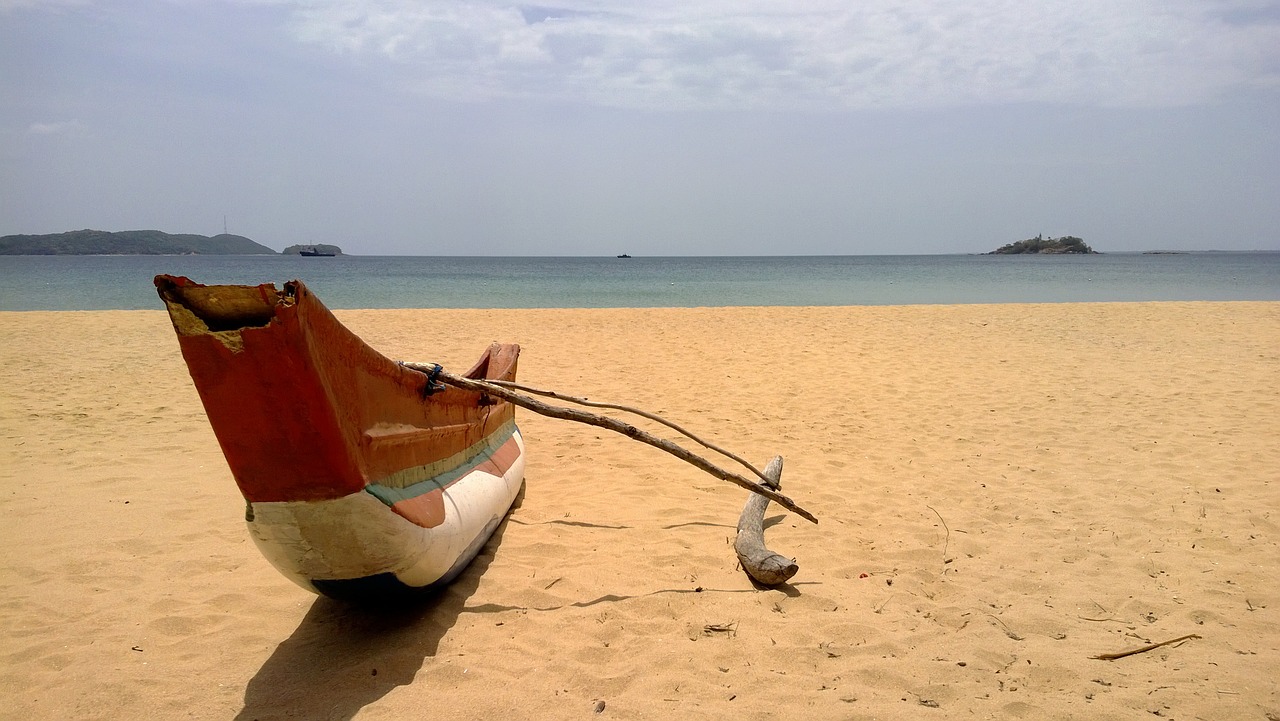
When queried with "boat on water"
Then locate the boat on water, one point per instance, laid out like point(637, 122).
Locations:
point(363, 479)
point(314, 252)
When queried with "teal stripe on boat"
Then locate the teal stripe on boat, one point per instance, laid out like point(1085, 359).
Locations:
point(470, 458)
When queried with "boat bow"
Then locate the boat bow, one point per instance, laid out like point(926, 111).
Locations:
point(310, 418)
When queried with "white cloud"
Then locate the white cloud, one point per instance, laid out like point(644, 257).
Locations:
point(10, 5)
point(812, 53)
point(61, 127)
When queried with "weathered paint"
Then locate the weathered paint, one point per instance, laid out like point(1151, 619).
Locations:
point(423, 502)
point(345, 459)
point(359, 535)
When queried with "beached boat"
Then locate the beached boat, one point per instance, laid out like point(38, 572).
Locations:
point(364, 479)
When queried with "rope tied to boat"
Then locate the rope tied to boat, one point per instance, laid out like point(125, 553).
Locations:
point(433, 385)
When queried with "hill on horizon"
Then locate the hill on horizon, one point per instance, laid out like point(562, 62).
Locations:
point(130, 242)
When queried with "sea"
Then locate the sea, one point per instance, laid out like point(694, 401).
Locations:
point(125, 282)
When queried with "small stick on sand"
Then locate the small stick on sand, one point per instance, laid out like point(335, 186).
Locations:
point(765, 566)
point(1007, 631)
point(730, 628)
point(946, 544)
point(1144, 649)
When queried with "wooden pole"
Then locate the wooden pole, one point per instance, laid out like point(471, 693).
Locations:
point(765, 566)
point(628, 409)
point(608, 423)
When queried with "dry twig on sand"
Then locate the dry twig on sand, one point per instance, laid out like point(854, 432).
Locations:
point(1144, 649)
point(946, 544)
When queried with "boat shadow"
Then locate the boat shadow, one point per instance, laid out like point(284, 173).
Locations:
point(343, 657)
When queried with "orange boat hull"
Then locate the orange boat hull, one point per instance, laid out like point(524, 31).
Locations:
point(362, 478)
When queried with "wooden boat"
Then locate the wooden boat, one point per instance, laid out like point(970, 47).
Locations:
point(363, 479)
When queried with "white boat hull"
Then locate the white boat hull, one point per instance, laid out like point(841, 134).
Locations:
point(331, 545)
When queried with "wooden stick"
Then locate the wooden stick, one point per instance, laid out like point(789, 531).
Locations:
point(1144, 649)
point(612, 424)
point(765, 566)
point(628, 409)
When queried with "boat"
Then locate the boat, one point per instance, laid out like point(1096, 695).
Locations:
point(314, 252)
point(364, 480)
point(623, 255)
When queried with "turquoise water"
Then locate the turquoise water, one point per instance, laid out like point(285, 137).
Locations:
point(124, 282)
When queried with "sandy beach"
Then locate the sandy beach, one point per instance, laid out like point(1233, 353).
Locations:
point(1004, 493)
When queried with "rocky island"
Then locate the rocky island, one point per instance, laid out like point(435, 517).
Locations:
point(130, 242)
point(1046, 246)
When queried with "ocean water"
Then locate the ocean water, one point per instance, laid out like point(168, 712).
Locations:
point(124, 282)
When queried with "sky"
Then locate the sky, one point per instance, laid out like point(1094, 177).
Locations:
point(650, 127)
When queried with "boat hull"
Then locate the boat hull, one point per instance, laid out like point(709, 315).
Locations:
point(359, 548)
point(364, 479)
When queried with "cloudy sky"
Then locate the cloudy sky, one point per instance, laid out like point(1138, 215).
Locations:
point(654, 127)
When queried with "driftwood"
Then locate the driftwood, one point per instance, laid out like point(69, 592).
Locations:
point(765, 566)
point(437, 374)
point(1144, 649)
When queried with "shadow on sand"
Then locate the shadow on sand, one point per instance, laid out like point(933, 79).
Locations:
point(343, 657)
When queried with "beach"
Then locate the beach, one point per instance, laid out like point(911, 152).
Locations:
point(1005, 492)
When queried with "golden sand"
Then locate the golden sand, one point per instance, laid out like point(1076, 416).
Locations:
point(1004, 493)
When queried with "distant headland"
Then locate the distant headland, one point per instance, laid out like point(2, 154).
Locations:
point(130, 242)
point(1045, 246)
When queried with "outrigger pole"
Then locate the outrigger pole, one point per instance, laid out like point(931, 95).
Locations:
point(436, 374)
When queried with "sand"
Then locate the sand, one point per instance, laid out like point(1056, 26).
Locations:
point(1004, 493)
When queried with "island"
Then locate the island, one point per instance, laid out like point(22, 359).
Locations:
point(130, 242)
point(1046, 246)
point(318, 250)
